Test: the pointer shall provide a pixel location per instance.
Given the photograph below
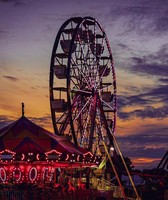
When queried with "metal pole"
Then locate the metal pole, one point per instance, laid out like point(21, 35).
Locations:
point(133, 185)
point(115, 172)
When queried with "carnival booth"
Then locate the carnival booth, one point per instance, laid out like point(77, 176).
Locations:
point(31, 154)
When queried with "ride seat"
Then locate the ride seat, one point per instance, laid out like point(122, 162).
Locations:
point(59, 105)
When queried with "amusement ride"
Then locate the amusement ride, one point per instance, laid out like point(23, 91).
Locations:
point(83, 84)
point(83, 88)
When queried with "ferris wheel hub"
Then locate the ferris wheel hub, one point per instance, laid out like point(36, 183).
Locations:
point(93, 91)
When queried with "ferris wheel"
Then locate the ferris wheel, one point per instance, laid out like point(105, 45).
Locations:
point(83, 84)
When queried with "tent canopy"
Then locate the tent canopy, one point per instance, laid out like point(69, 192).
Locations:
point(23, 136)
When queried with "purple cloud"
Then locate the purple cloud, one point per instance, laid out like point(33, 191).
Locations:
point(11, 78)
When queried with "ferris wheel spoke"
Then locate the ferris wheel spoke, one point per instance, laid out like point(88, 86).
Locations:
point(74, 77)
point(64, 125)
point(85, 54)
point(93, 120)
point(76, 85)
point(86, 66)
point(101, 134)
point(96, 75)
point(106, 87)
point(84, 92)
point(80, 72)
point(62, 117)
point(80, 112)
point(75, 101)
point(108, 105)
point(86, 125)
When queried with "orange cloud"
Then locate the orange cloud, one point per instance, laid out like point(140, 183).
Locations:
point(147, 162)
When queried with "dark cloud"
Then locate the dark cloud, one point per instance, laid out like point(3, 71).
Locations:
point(145, 101)
point(124, 115)
point(161, 55)
point(142, 66)
point(133, 100)
point(11, 78)
point(6, 1)
point(161, 25)
point(153, 136)
point(141, 17)
point(132, 18)
point(154, 66)
point(128, 11)
point(151, 112)
point(41, 121)
point(123, 46)
point(147, 98)
point(16, 2)
point(163, 80)
point(4, 121)
point(153, 143)
point(146, 152)
point(146, 112)
point(160, 93)
point(127, 101)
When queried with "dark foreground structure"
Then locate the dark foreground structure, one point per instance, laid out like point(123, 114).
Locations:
point(34, 192)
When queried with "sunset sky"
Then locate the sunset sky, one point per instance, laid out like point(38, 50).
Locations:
point(138, 34)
